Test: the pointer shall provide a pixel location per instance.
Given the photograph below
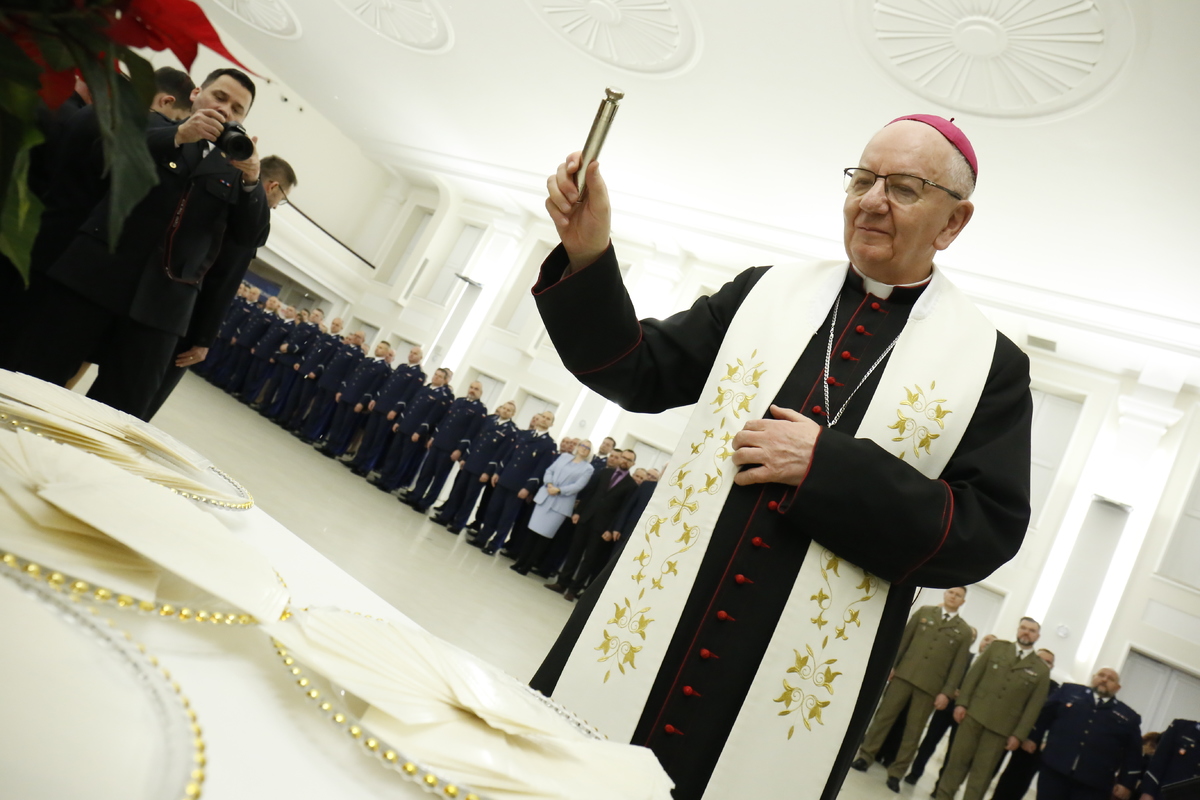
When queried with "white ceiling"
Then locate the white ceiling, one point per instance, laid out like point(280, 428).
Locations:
point(1092, 191)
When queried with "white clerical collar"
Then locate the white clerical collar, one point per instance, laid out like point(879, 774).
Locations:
point(884, 290)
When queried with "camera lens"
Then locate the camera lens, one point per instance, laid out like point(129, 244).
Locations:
point(235, 143)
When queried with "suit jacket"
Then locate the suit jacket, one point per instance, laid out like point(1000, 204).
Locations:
point(220, 288)
point(632, 510)
point(1177, 757)
point(1096, 745)
point(569, 477)
point(599, 503)
point(157, 268)
point(1004, 694)
point(933, 653)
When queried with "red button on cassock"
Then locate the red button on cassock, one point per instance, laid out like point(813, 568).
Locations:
point(706, 653)
point(773, 505)
point(724, 617)
point(831, 380)
point(861, 329)
point(672, 729)
point(875, 306)
point(757, 541)
point(739, 578)
point(846, 355)
point(690, 692)
point(817, 409)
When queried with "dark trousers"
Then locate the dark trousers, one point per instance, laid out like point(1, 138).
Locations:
point(256, 378)
point(1053, 785)
point(279, 382)
point(320, 415)
point(939, 723)
point(233, 375)
point(341, 431)
point(520, 532)
point(533, 551)
point(587, 555)
point(485, 500)
point(553, 560)
point(431, 478)
point(501, 516)
point(65, 328)
point(461, 502)
point(212, 361)
point(295, 408)
point(170, 380)
point(1021, 770)
point(376, 436)
point(402, 459)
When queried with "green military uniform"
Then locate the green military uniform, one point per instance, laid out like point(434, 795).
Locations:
point(931, 661)
point(1003, 695)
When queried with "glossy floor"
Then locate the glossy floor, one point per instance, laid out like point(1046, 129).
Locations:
point(450, 588)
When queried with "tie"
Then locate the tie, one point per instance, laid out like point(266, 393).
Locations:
point(946, 617)
point(616, 478)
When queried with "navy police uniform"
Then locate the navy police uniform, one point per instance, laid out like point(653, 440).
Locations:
point(363, 381)
point(522, 464)
point(479, 460)
point(421, 415)
point(401, 384)
point(329, 382)
point(1093, 744)
point(1176, 759)
point(290, 411)
point(455, 431)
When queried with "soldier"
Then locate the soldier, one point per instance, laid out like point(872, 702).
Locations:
point(475, 470)
point(449, 441)
point(421, 415)
point(1177, 758)
point(1023, 766)
point(252, 328)
point(212, 366)
point(997, 707)
point(522, 464)
point(930, 665)
point(263, 354)
point(1094, 741)
point(387, 404)
point(352, 398)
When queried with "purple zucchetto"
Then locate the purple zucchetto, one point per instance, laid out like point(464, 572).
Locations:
point(953, 134)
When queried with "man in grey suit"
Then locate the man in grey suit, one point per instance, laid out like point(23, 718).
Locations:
point(929, 667)
point(997, 707)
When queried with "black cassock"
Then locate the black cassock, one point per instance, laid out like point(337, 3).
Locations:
point(861, 502)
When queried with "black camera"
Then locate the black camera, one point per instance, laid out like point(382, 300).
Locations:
point(234, 142)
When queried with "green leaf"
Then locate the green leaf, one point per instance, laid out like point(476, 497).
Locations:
point(22, 211)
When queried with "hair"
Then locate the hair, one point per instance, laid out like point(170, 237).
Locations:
point(959, 175)
point(610, 439)
point(176, 83)
point(1152, 737)
point(958, 587)
point(236, 74)
point(1047, 650)
point(1034, 621)
point(274, 168)
point(630, 450)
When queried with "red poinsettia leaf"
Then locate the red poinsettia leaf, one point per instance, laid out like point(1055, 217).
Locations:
point(180, 25)
point(56, 87)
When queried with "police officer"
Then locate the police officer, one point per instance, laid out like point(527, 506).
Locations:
point(449, 441)
point(1094, 741)
point(291, 352)
point(475, 470)
point(329, 383)
point(252, 328)
point(600, 460)
point(352, 397)
point(421, 415)
point(263, 355)
point(997, 707)
point(289, 409)
point(387, 404)
point(239, 309)
point(521, 466)
point(1177, 758)
point(930, 665)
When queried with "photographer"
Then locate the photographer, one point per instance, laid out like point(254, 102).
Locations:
point(133, 301)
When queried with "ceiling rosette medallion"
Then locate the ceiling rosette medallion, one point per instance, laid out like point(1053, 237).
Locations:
point(1000, 58)
point(416, 24)
point(272, 17)
point(648, 37)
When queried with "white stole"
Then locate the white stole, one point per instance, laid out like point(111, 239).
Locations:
point(925, 398)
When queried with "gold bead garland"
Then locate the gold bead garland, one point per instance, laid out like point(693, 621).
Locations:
point(424, 778)
point(81, 590)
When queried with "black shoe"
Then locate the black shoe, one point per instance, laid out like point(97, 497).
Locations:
point(540, 573)
point(490, 550)
point(359, 471)
point(554, 587)
point(477, 542)
point(454, 529)
point(325, 451)
point(911, 779)
point(509, 554)
point(860, 764)
point(517, 568)
point(474, 529)
point(421, 509)
point(893, 784)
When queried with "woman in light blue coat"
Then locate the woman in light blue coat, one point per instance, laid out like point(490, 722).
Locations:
point(554, 502)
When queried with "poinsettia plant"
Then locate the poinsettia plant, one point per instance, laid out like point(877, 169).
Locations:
point(44, 46)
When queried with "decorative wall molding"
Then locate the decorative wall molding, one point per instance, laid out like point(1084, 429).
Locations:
point(1000, 58)
point(646, 37)
point(272, 17)
point(419, 25)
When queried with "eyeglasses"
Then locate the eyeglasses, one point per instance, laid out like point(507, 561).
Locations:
point(900, 188)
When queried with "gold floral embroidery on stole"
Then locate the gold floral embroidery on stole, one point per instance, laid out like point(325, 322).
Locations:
point(667, 539)
point(916, 429)
point(810, 668)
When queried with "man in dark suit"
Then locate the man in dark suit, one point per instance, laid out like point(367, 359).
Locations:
point(450, 440)
point(600, 460)
point(1094, 745)
point(278, 179)
point(599, 503)
point(133, 300)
